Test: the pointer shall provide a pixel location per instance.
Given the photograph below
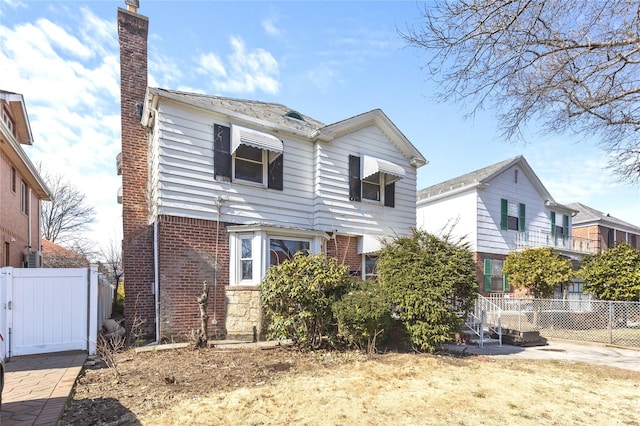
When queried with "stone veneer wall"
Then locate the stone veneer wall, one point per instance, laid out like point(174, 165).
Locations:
point(243, 313)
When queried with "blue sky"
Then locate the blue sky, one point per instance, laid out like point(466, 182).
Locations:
point(329, 60)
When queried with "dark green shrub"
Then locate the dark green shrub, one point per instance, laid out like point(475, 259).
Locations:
point(297, 296)
point(431, 284)
point(363, 316)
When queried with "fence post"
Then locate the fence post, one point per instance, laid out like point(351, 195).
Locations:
point(610, 322)
point(93, 309)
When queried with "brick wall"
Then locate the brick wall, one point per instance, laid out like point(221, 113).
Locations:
point(137, 245)
point(187, 258)
point(345, 249)
point(478, 258)
point(14, 223)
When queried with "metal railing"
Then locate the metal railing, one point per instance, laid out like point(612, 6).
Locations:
point(537, 239)
point(609, 322)
point(485, 317)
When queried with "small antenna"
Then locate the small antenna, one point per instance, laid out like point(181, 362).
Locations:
point(132, 5)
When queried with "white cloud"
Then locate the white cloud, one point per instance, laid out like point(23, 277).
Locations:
point(270, 26)
point(69, 78)
point(246, 70)
point(324, 75)
point(211, 64)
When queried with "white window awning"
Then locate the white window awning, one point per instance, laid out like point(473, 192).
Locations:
point(368, 244)
point(243, 136)
point(373, 165)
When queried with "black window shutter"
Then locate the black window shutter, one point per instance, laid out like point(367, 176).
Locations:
point(222, 151)
point(390, 195)
point(355, 189)
point(276, 169)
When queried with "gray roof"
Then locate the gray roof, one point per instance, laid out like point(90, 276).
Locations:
point(474, 178)
point(271, 112)
point(588, 214)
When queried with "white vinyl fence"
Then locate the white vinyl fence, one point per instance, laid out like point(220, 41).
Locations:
point(52, 309)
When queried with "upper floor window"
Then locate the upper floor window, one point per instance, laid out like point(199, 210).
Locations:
point(373, 179)
point(559, 230)
point(13, 179)
point(248, 155)
point(24, 198)
point(512, 215)
point(8, 121)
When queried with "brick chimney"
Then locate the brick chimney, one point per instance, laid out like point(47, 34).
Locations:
point(137, 245)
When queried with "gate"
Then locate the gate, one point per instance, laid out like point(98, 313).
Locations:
point(49, 309)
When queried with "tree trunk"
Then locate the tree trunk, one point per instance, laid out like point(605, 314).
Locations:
point(203, 339)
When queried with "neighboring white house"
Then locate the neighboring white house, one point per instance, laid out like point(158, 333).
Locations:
point(499, 209)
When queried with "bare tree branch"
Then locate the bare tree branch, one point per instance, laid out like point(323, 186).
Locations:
point(67, 215)
point(570, 64)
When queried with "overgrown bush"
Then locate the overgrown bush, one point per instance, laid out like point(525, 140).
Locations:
point(363, 316)
point(431, 284)
point(297, 296)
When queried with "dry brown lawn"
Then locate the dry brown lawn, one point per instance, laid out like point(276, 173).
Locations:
point(268, 387)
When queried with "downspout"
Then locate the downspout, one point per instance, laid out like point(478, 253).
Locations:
point(30, 222)
point(155, 279)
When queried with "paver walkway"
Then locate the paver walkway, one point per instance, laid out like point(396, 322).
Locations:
point(37, 387)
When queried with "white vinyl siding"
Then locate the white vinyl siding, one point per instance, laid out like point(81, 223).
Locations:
point(493, 239)
point(334, 210)
point(456, 214)
point(186, 184)
point(315, 194)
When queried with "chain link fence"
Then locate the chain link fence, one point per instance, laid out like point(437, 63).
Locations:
point(616, 323)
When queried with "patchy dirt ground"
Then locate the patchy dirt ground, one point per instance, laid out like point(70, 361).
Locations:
point(148, 382)
point(284, 386)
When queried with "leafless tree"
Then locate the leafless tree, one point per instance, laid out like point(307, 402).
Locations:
point(571, 65)
point(112, 261)
point(67, 215)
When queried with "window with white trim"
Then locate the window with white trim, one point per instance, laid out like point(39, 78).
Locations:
point(246, 258)
point(8, 121)
point(246, 155)
point(373, 179)
point(281, 249)
point(494, 279)
point(512, 215)
point(249, 164)
point(370, 266)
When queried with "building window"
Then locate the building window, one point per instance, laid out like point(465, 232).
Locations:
point(512, 215)
point(373, 179)
point(246, 258)
point(247, 155)
point(634, 241)
point(249, 164)
point(611, 238)
point(7, 253)
point(494, 280)
point(8, 122)
point(281, 249)
point(370, 267)
point(24, 198)
point(13, 179)
point(557, 231)
point(371, 187)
